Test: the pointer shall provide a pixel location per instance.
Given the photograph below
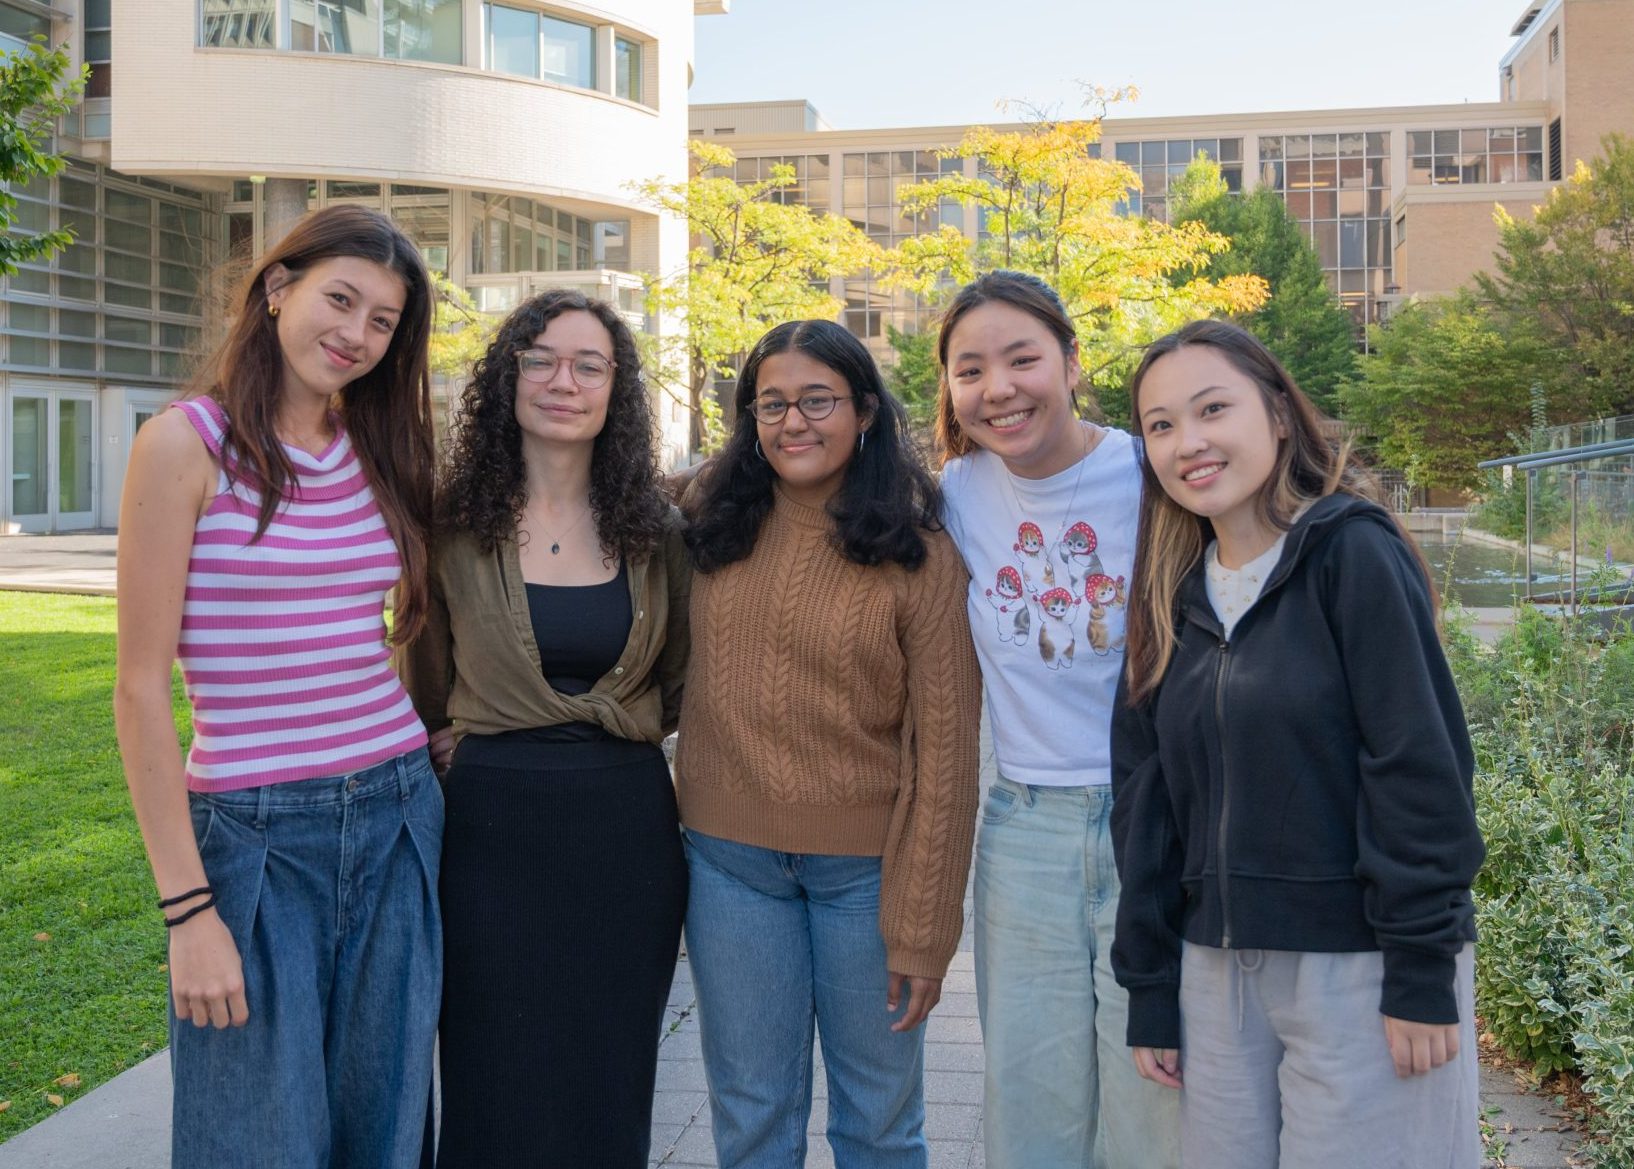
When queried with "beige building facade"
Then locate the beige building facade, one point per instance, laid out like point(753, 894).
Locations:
point(1398, 201)
point(501, 135)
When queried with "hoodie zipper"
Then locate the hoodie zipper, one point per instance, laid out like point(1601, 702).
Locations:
point(1221, 670)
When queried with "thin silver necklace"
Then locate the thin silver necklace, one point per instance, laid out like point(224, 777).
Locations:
point(555, 543)
point(1072, 501)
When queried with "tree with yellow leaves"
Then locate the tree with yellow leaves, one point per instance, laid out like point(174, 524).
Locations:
point(1046, 205)
point(755, 262)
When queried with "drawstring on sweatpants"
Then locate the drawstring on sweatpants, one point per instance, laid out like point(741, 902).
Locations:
point(1245, 962)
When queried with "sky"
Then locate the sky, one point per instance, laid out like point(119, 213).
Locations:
point(875, 63)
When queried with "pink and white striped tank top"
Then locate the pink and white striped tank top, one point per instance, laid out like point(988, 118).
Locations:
point(283, 642)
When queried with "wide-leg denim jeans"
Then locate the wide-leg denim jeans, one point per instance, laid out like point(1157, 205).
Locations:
point(777, 940)
point(1062, 1091)
point(329, 888)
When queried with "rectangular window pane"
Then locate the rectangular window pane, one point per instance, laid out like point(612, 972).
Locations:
point(130, 269)
point(126, 329)
point(130, 237)
point(75, 193)
point(76, 324)
point(1127, 152)
point(133, 208)
point(75, 453)
point(335, 26)
point(513, 41)
point(128, 297)
point(238, 24)
point(1231, 149)
point(185, 306)
point(75, 355)
point(129, 361)
point(31, 217)
point(177, 278)
point(76, 287)
point(31, 318)
point(569, 53)
point(627, 69)
point(423, 30)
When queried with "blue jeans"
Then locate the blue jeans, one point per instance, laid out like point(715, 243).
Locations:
point(329, 888)
point(775, 940)
point(1062, 1091)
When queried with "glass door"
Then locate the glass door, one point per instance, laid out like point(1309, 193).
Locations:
point(53, 460)
point(30, 506)
point(75, 505)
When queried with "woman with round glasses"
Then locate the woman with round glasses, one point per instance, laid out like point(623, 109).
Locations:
point(556, 648)
point(827, 758)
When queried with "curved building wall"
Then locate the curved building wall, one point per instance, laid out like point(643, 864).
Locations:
point(185, 110)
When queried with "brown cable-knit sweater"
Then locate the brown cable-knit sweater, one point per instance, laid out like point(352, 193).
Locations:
point(832, 708)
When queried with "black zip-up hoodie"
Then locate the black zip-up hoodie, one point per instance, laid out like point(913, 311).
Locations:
point(1306, 786)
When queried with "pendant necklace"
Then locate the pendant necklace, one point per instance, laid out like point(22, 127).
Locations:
point(555, 543)
point(1090, 443)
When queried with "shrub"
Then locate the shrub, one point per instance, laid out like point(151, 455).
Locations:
point(1550, 714)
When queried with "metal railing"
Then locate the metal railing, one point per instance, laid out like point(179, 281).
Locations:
point(1569, 457)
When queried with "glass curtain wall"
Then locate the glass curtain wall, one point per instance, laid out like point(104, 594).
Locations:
point(1159, 162)
point(1338, 187)
point(238, 24)
point(1496, 154)
point(123, 300)
point(869, 183)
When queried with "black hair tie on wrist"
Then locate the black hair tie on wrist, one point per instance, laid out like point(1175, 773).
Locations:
point(172, 922)
point(167, 902)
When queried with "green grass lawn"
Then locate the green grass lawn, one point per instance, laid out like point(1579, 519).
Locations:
point(82, 949)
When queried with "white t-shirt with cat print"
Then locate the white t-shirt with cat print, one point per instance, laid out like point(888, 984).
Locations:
point(1050, 562)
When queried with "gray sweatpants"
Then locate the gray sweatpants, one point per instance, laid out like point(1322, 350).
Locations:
point(1286, 1067)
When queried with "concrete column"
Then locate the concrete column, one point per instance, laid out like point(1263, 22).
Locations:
point(283, 201)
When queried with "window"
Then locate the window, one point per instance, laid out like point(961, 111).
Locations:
point(1337, 186)
point(422, 30)
point(513, 40)
point(335, 26)
point(1496, 154)
point(1554, 151)
point(238, 24)
point(98, 22)
point(569, 54)
point(627, 69)
point(1157, 162)
point(531, 44)
point(18, 28)
point(132, 276)
point(1554, 43)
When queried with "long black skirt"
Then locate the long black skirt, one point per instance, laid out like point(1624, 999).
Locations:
point(563, 890)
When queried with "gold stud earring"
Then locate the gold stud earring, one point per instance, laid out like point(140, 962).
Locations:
point(272, 310)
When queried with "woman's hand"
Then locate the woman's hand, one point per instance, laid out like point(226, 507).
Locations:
point(1416, 1048)
point(1161, 1065)
point(440, 745)
point(923, 994)
point(206, 976)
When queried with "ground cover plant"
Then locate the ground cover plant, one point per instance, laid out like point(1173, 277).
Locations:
point(82, 949)
point(1552, 717)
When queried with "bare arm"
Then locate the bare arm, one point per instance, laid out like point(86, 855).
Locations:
point(169, 481)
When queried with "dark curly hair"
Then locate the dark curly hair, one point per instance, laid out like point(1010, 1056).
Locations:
point(886, 500)
point(482, 486)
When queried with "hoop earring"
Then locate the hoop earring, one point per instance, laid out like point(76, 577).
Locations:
point(862, 440)
point(759, 452)
point(272, 311)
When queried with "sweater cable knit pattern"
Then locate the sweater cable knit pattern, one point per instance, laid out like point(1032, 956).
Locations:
point(832, 708)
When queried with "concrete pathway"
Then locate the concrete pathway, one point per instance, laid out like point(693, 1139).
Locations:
point(82, 564)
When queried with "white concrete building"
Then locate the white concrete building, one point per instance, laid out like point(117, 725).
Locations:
point(502, 136)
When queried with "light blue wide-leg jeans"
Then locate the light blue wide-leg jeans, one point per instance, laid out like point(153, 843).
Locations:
point(1062, 1091)
point(778, 941)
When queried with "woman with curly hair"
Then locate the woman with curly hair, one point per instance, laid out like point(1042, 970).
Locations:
point(555, 648)
point(827, 760)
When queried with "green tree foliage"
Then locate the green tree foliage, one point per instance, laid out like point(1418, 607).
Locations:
point(1447, 385)
point(756, 262)
point(915, 377)
point(1571, 270)
point(1050, 208)
point(460, 330)
point(35, 90)
point(1302, 322)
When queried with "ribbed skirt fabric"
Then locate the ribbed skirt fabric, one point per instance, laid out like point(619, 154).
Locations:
point(563, 890)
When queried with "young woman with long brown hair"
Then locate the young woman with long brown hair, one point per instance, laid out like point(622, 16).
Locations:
point(265, 517)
